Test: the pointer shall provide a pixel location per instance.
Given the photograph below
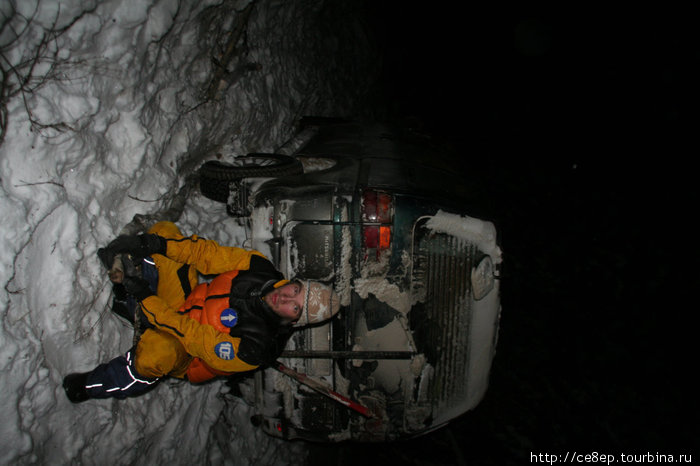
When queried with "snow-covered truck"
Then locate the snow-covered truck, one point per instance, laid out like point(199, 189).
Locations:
point(378, 214)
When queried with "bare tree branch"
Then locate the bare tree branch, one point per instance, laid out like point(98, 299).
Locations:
point(19, 77)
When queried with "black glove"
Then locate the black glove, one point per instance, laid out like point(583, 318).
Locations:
point(139, 246)
point(138, 288)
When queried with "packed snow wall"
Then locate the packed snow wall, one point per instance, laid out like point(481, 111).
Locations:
point(106, 110)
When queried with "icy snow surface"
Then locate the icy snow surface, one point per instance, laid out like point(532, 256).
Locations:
point(106, 107)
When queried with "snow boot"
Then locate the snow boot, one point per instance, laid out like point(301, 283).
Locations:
point(74, 385)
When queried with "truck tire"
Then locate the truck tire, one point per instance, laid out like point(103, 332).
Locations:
point(215, 176)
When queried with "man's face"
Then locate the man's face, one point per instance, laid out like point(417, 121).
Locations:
point(287, 301)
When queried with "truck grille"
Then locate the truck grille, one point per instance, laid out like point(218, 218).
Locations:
point(441, 274)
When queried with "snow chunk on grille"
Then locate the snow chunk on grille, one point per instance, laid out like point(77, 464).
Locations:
point(479, 232)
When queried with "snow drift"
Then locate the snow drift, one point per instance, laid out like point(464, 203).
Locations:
point(107, 108)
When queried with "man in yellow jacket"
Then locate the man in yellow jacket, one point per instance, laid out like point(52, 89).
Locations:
point(237, 322)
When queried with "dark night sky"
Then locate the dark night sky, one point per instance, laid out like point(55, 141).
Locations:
point(535, 72)
point(574, 123)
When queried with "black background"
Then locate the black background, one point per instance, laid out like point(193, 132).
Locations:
point(575, 126)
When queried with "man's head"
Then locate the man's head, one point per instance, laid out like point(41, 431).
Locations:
point(303, 302)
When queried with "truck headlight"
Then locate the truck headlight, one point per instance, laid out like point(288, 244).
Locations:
point(482, 278)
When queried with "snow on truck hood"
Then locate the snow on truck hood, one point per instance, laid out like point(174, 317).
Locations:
point(481, 233)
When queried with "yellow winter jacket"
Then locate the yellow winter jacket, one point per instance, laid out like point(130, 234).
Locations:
point(218, 350)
